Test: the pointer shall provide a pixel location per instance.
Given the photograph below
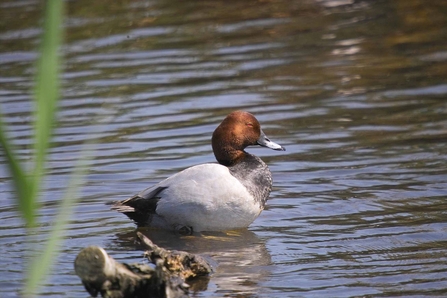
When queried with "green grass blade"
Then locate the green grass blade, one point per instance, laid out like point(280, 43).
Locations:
point(46, 97)
point(19, 177)
point(41, 263)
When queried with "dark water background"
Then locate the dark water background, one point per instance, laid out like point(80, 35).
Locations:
point(355, 90)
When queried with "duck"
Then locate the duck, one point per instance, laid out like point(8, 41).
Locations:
point(226, 195)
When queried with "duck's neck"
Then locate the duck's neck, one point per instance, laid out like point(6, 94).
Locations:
point(229, 156)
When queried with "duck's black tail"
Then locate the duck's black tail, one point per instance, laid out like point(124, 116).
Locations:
point(141, 207)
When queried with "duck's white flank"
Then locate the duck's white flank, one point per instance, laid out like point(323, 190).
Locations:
point(205, 197)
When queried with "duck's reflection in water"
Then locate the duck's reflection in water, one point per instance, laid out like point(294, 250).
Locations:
point(239, 258)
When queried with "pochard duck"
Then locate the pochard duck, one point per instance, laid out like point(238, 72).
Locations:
point(211, 197)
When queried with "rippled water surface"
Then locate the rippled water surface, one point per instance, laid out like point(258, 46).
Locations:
point(355, 90)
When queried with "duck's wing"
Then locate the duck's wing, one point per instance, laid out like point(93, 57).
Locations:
point(142, 206)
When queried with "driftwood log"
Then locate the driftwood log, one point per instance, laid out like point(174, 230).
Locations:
point(101, 274)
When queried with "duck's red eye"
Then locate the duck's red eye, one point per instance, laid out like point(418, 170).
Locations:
point(249, 124)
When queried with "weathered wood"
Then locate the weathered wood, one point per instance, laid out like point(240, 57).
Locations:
point(101, 274)
point(180, 263)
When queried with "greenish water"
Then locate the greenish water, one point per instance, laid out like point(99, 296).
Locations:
point(355, 90)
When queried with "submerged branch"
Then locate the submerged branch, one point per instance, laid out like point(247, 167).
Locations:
point(180, 263)
point(101, 274)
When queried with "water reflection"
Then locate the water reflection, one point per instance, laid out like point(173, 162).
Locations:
point(240, 259)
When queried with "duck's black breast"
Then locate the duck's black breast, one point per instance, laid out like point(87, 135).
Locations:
point(255, 175)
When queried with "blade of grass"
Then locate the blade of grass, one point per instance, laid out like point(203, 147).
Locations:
point(19, 177)
point(27, 186)
point(41, 262)
point(46, 97)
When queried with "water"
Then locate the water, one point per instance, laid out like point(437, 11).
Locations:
point(355, 90)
